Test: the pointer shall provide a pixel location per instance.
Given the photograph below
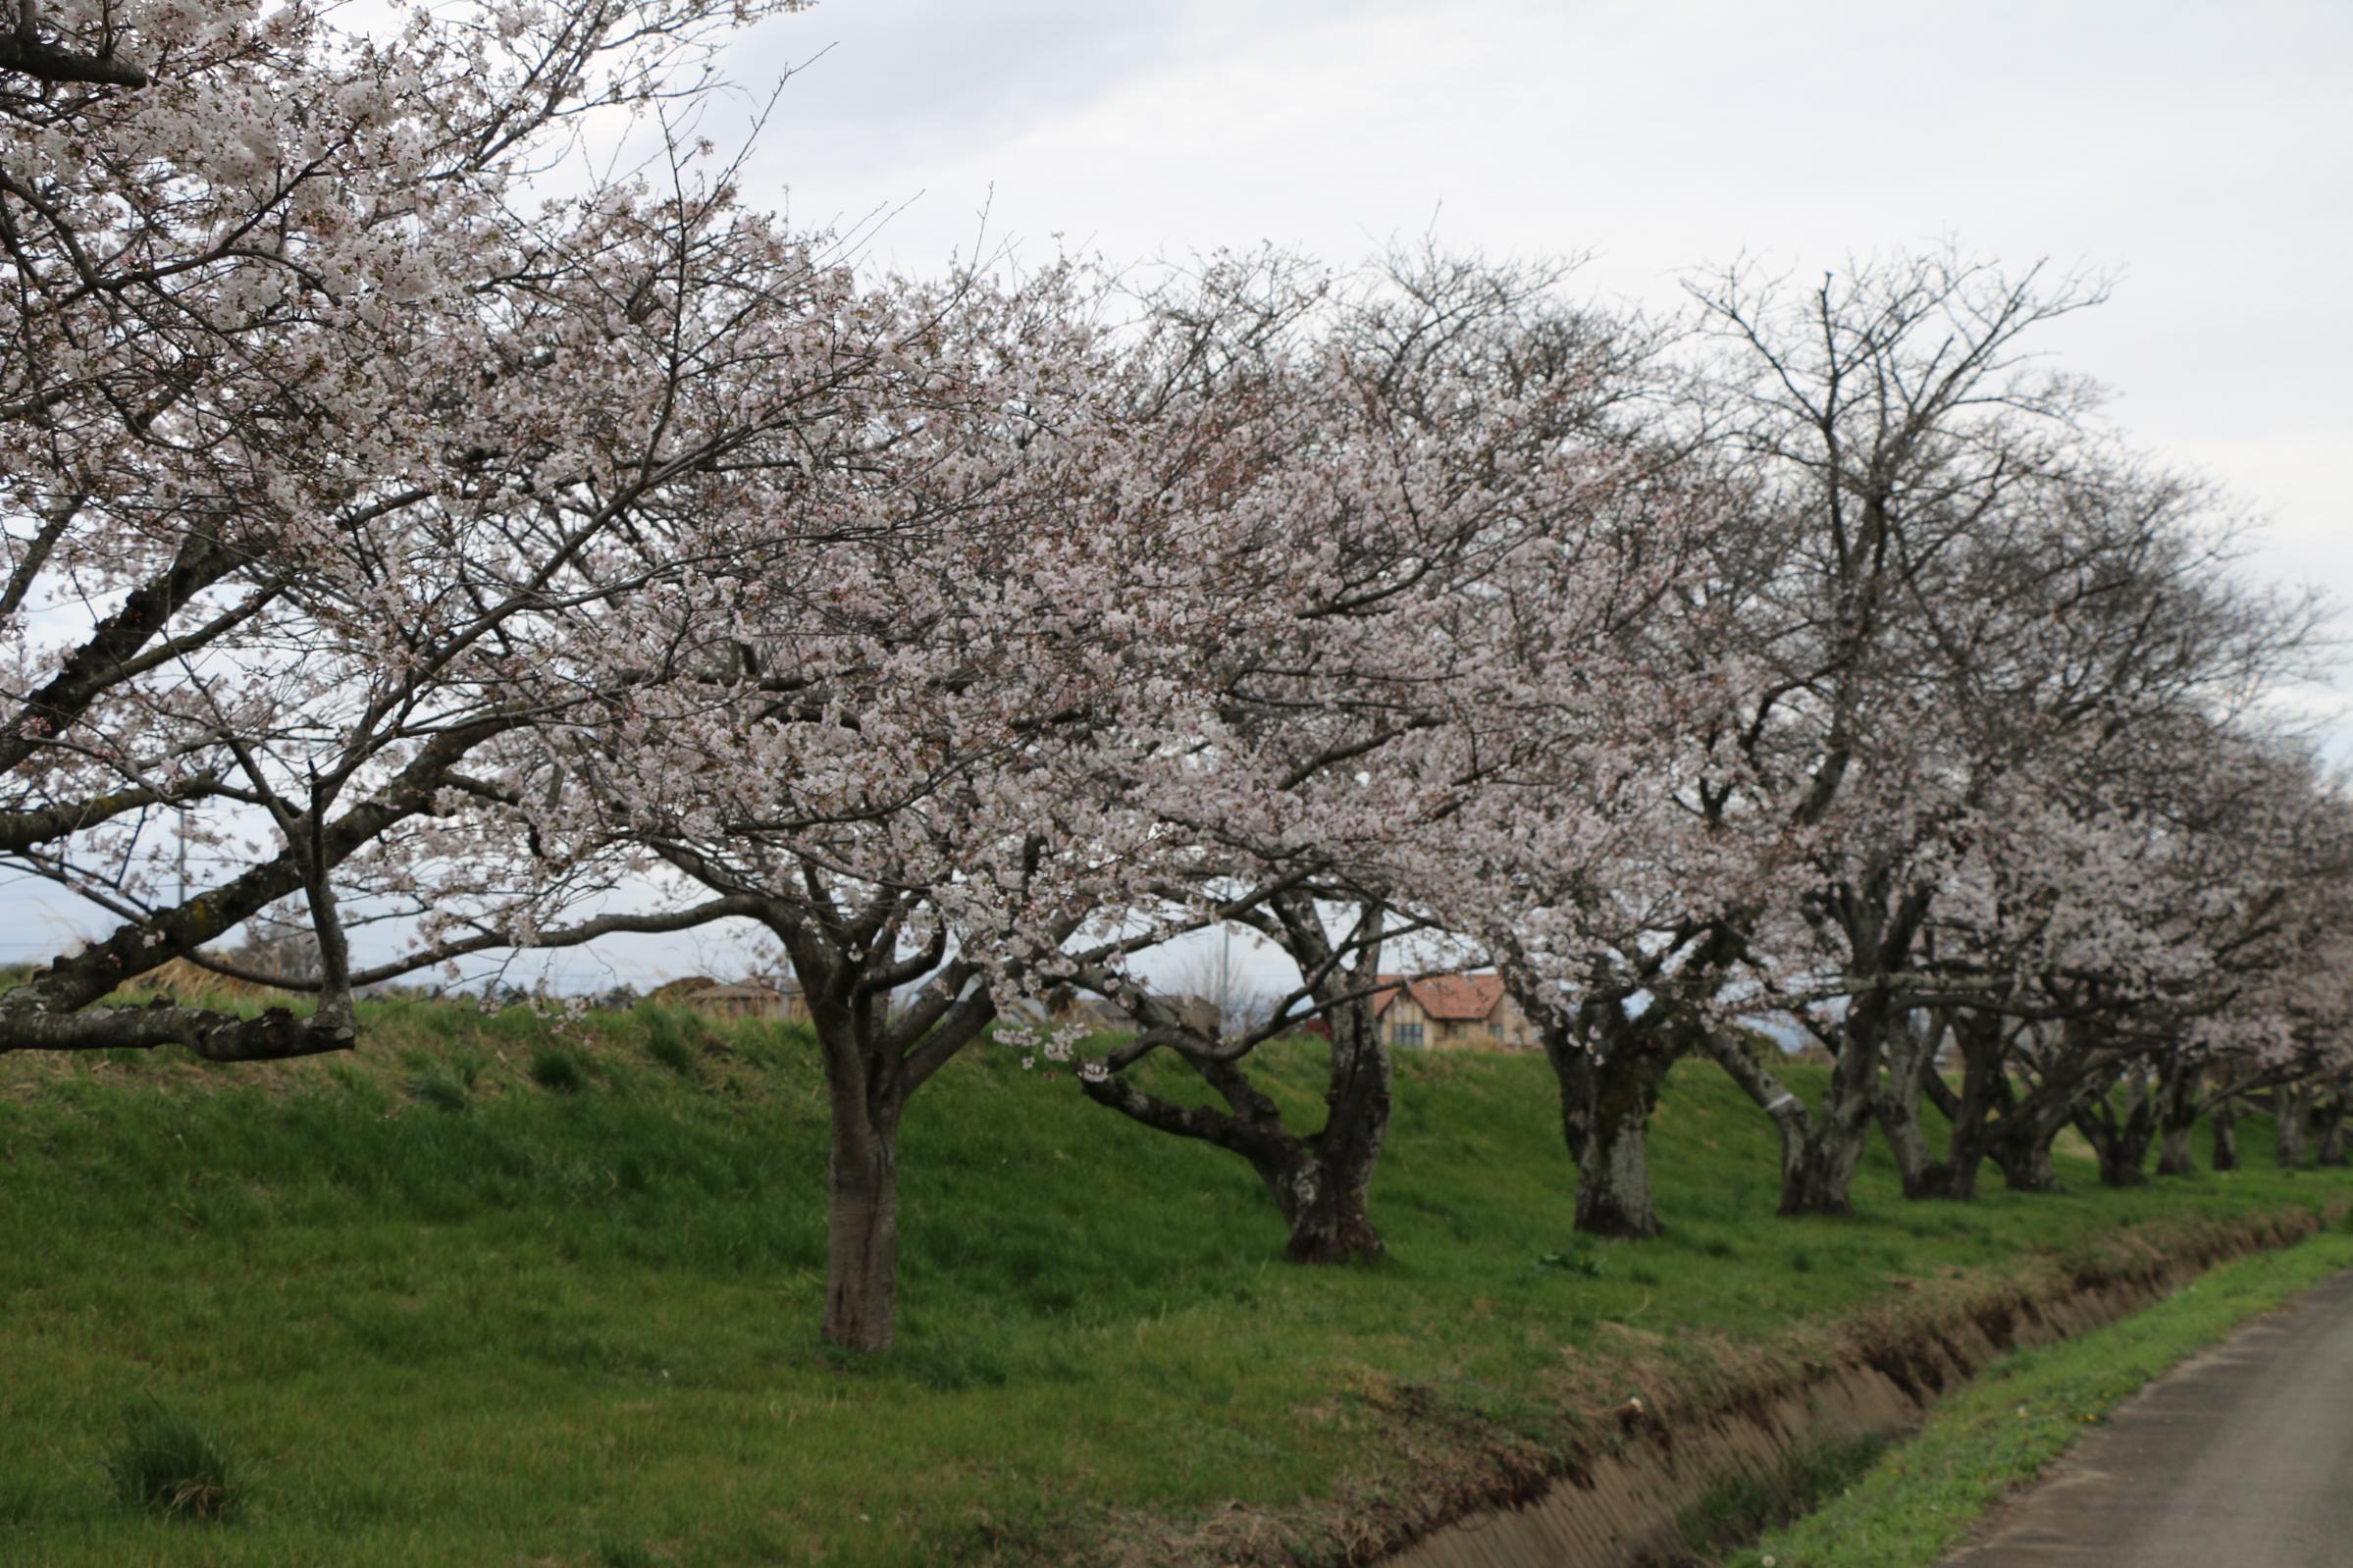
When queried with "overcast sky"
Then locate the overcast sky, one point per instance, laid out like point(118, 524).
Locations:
point(2201, 153)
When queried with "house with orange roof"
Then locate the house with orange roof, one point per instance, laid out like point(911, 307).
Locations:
point(1450, 1013)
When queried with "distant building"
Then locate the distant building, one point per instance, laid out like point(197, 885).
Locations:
point(185, 982)
point(1451, 1012)
point(733, 999)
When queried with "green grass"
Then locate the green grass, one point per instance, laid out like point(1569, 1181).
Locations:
point(451, 1304)
point(2025, 1411)
point(165, 1464)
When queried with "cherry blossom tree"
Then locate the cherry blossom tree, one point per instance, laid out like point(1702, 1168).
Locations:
point(313, 419)
point(1896, 433)
point(1467, 503)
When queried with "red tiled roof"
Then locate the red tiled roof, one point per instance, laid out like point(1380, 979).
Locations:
point(1447, 998)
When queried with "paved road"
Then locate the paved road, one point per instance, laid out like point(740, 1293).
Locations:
point(2240, 1458)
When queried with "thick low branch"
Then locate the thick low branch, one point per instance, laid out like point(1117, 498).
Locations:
point(275, 1036)
point(29, 829)
point(1201, 1122)
point(138, 946)
point(47, 63)
point(685, 919)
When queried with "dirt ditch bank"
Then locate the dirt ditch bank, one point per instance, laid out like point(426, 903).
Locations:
point(1630, 1498)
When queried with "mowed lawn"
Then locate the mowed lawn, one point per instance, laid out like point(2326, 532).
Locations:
point(501, 1290)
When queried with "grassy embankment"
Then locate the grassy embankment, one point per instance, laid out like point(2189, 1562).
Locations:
point(1916, 1500)
point(504, 1290)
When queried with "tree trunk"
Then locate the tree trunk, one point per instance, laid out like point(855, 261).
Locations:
point(1328, 1217)
point(1607, 1095)
point(1323, 1207)
point(1822, 1178)
point(1613, 1174)
point(1320, 1183)
point(1985, 1090)
point(1911, 1061)
point(2124, 1159)
point(2178, 1119)
point(2225, 1135)
point(862, 1239)
point(2024, 1158)
point(2326, 1122)
point(2120, 1142)
point(1791, 1120)
point(2287, 1118)
point(866, 1086)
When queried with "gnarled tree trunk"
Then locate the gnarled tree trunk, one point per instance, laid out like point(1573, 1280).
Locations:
point(1821, 1180)
point(2178, 1119)
point(2328, 1122)
point(1320, 1183)
point(2022, 1151)
point(2121, 1138)
point(2288, 1111)
point(1331, 1177)
point(1607, 1094)
point(1911, 1053)
point(1791, 1120)
point(2225, 1125)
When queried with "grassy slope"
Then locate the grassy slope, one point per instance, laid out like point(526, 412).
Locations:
point(577, 1328)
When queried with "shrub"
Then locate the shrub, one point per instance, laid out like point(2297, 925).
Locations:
point(167, 1464)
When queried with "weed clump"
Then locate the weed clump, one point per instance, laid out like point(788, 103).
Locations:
point(671, 1044)
point(1575, 1258)
point(168, 1465)
point(440, 1088)
point(556, 1068)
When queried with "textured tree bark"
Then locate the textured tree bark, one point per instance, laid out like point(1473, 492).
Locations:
point(1911, 1062)
point(2225, 1135)
point(2328, 1123)
point(2178, 1119)
point(1321, 1183)
point(2288, 1118)
point(2121, 1139)
point(1822, 1178)
point(1614, 1173)
point(2124, 1159)
point(1790, 1119)
point(1985, 1090)
point(865, 1092)
point(862, 1239)
point(1331, 1178)
point(2024, 1159)
point(1325, 1208)
point(1607, 1094)
point(874, 1060)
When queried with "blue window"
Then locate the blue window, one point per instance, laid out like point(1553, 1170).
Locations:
point(1405, 1034)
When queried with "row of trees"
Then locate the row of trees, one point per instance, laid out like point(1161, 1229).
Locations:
point(511, 570)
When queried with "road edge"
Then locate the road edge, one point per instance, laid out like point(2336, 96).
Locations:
point(1927, 1495)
